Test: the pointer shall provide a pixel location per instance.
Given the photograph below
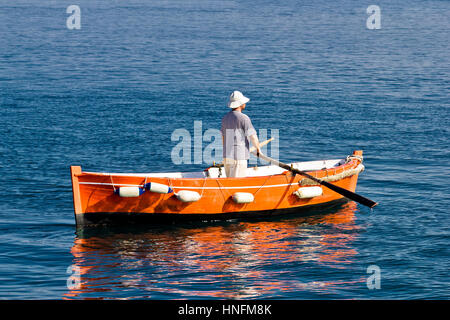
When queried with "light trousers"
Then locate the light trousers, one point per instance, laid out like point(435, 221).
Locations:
point(235, 168)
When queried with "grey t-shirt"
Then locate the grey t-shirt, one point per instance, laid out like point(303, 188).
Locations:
point(236, 127)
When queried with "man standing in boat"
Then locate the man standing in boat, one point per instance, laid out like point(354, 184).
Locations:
point(237, 130)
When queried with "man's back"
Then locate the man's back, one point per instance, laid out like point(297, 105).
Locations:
point(236, 127)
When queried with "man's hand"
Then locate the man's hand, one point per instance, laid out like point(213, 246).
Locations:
point(255, 142)
point(258, 151)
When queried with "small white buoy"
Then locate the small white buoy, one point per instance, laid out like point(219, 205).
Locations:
point(243, 197)
point(188, 196)
point(129, 192)
point(158, 187)
point(308, 192)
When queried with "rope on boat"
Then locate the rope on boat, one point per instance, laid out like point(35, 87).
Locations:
point(114, 188)
point(268, 177)
point(220, 188)
point(337, 176)
point(334, 177)
point(354, 156)
point(203, 187)
point(171, 186)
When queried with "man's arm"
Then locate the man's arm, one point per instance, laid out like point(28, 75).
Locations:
point(255, 143)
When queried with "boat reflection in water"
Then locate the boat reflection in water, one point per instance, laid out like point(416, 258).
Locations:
point(272, 258)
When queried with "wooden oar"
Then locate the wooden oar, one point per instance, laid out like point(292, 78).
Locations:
point(346, 193)
point(261, 144)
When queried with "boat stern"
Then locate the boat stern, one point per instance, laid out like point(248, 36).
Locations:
point(75, 171)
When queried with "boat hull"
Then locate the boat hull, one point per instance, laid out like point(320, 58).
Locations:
point(120, 218)
point(96, 200)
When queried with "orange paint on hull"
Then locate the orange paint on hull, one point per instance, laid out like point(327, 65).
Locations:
point(94, 193)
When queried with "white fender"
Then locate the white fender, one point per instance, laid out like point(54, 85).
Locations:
point(158, 187)
point(243, 197)
point(308, 192)
point(188, 196)
point(129, 192)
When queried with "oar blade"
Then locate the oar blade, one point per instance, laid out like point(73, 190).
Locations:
point(350, 195)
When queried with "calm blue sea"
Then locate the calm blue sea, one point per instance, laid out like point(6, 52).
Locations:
point(109, 95)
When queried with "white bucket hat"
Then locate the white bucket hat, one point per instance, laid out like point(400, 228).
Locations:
point(237, 99)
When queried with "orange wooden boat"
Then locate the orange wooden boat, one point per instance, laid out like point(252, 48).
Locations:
point(208, 195)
